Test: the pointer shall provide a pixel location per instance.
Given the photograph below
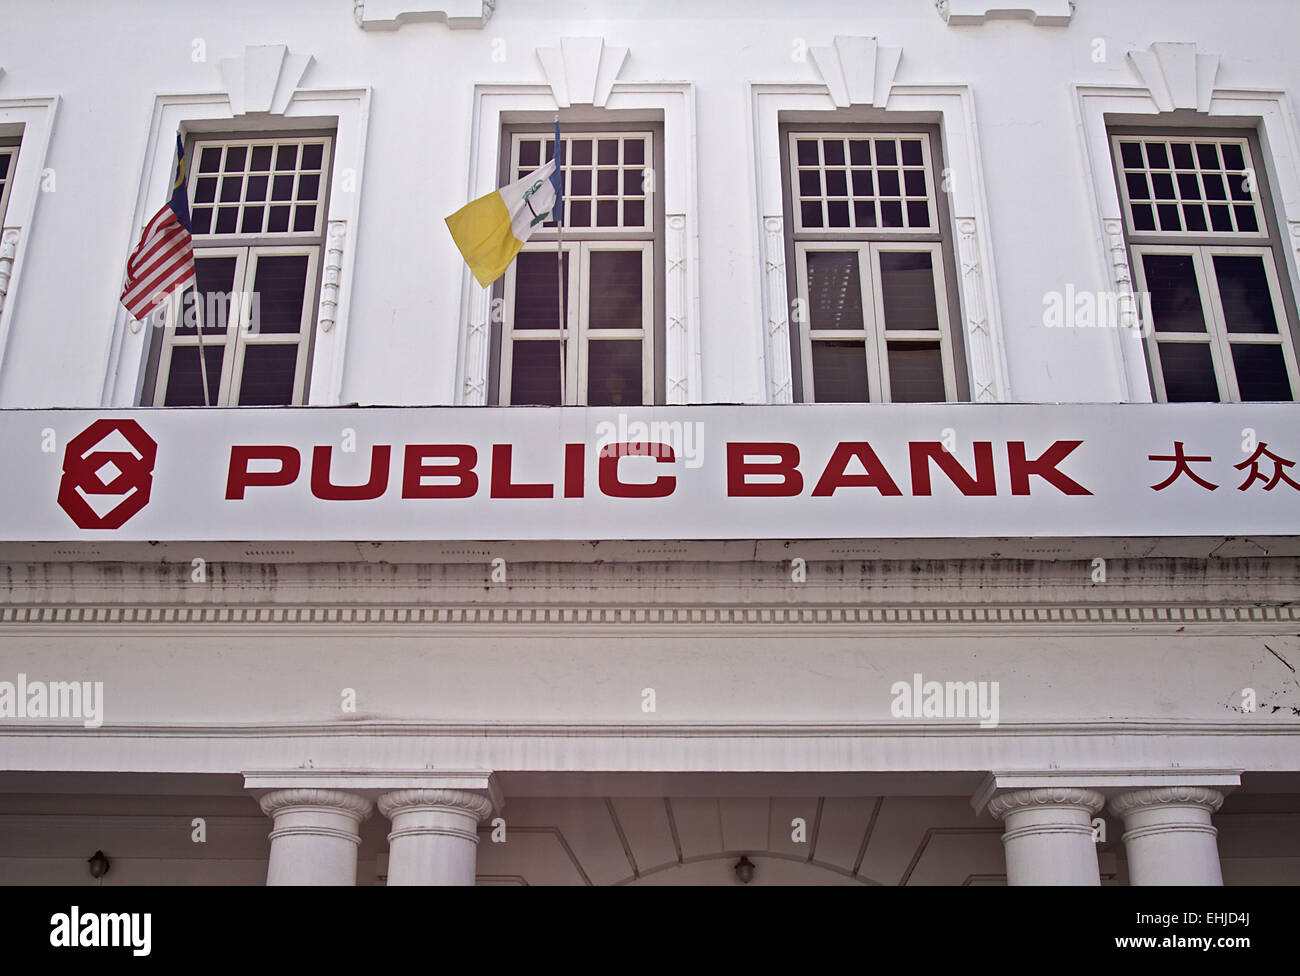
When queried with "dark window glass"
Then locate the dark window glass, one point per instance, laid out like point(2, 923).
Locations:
point(1188, 370)
point(1194, 215)
point(235, 156)
point(535, 373)
point(185, 378)
point(1182, 156)
point(304, 219)
point(915, 373)
point(206, 190)
point(210, 160)
point(862, 183)
point(256, 188)
point(1261, 371)
point(886, 153)
point(833, 150)
point(607, 213)
point(580, 182)
point(806, 150)
point(251, 221)
point(226, 220)
point(615, 301)
point(282, 188)
point(633, 213)
point(581, 149)
point(261, 160)
point(1169, 216)
point(912, 153)
point(232, 188)
point(1157, 155)
point(279, 220)
point(907, 284)
point(860, 152)
point(837, 213)
point(1131, 154)
point(280, 284)
point(834, 290)
point(1246, 222)
point(267, 379)
point(888, 180)
point(918, 213)
point(1215, 188)
point(536, 289)
point(614, 372)
point(914, 182)
point(1207, 155)
point(864, 213)
point(1164, 186)
point(837, 183)
point(214, 281)
point(201, 220)
point(1175, 298)
point(839, 372)
point(1144, 218)
point(286, 157)
point(1233, 158)
point(634, 151)
point(607, 151)
point(1220, 218)
point(580, 213)
point(891, 213)
point(810, 183)
point(1244, 292)
point(312, 155)
point(607, 183)
point(308, 187)
point(530, 152)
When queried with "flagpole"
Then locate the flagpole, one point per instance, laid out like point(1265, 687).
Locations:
point(559, 258)
point(198, 330)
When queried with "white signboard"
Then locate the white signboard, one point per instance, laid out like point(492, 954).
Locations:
point(871, 471)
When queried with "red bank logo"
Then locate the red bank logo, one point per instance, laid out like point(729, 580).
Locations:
point(110, 458)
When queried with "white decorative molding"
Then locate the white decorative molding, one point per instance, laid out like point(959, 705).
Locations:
point(356, 807)
point(776, 316)
point(857, 71)
point(582, 70)
point(1041, 13)
point(389, 15)
point(335, 239)
point(212, 112)
point(9, 238)
point(954, 104)
point(36, 118)
point(674, 102)
point(1176, 75)
point(263, 78)
point(892, 618)
point(1159, 796)
point(681, 365)
point(980, 351)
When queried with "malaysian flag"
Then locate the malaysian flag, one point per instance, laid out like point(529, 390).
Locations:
point(163, 261)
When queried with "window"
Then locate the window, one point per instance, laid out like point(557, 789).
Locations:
point(872, 268)
point(8, 163)
point(606, 351)
point(1206, 258)
point(258, 214)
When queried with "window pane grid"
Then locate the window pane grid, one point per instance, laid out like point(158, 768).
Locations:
point(1189, 187)
point(259, 187)
point(607, 178)
point(862, 182)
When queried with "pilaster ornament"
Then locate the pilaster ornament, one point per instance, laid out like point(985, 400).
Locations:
point(857, 71)
point(677, 355)
point(1158, 796)
point(335, 801)
point(582, 70)
point(263, 79)
point(1176, 75)
point(1046, 796)
point(389, 15)
point(329, 293)
point(461, 801)
point(777, 333)
point(8, 251)
point(1041, 13)
point(1121, 274)
point(979, 338)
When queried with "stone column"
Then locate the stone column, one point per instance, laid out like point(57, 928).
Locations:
point(1168, 835)
point(434, 840)
point(315, 837)
point(1048, 838)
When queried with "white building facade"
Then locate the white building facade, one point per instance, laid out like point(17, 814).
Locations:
point(951, 529)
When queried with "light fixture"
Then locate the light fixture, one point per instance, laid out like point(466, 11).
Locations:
point(98, 865)
point(744, 870)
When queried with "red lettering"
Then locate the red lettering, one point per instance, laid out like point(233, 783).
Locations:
point(238, 477)
point(1044, 466)
point(503, 487)
point(984, 482)
point(574, 470)
point(739, 468)
point(414, 471)
point(875, 477)
point(611, 485)
point(324, 489)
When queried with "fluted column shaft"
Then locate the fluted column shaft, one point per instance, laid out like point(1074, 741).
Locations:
point(434, 840)
point(1168, 835)
point(315, 836)
point(1048, 838)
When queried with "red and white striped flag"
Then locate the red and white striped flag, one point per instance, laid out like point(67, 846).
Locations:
point(163, 261)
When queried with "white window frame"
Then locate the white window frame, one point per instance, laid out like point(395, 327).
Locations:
point(238, 334)
point(875, 335)
point(213, 238)
point(874, 136)
point(10, 173)
point(647, 165)
point(577, 331)
point(1176, 136)
point(1217, 336)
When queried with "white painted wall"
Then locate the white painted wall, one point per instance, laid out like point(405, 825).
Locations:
point(109, 61)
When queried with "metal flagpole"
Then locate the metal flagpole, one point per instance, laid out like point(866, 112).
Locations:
point(559, 256)
point(198, 329)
